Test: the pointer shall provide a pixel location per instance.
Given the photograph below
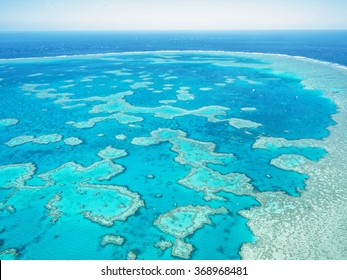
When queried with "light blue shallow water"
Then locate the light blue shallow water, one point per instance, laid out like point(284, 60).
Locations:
point(34, 93)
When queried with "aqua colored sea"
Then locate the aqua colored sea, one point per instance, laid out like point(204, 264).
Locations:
point(134, 153)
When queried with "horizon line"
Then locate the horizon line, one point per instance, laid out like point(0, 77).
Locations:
point(171, 30)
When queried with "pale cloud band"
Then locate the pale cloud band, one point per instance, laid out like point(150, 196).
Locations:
point(172, 15)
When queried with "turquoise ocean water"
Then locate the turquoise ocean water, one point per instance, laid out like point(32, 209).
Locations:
point(149, 153)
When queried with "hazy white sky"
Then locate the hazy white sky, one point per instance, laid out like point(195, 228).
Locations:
point(173, 14)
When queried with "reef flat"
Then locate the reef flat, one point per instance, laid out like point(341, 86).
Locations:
point(311, 226)
point(150, 155)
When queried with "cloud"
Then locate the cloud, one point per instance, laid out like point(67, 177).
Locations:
point(178, 14)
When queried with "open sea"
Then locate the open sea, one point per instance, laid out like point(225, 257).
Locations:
point(151, 145)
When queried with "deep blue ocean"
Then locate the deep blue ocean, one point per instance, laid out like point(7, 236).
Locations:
point(327, 45)
point(149, 154)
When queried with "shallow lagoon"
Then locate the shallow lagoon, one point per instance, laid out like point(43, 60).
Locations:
point(199, 130)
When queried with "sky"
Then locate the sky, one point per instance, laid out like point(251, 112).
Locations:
point(16, 15)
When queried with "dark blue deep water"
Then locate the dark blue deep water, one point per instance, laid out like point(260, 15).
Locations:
point(323, 45)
